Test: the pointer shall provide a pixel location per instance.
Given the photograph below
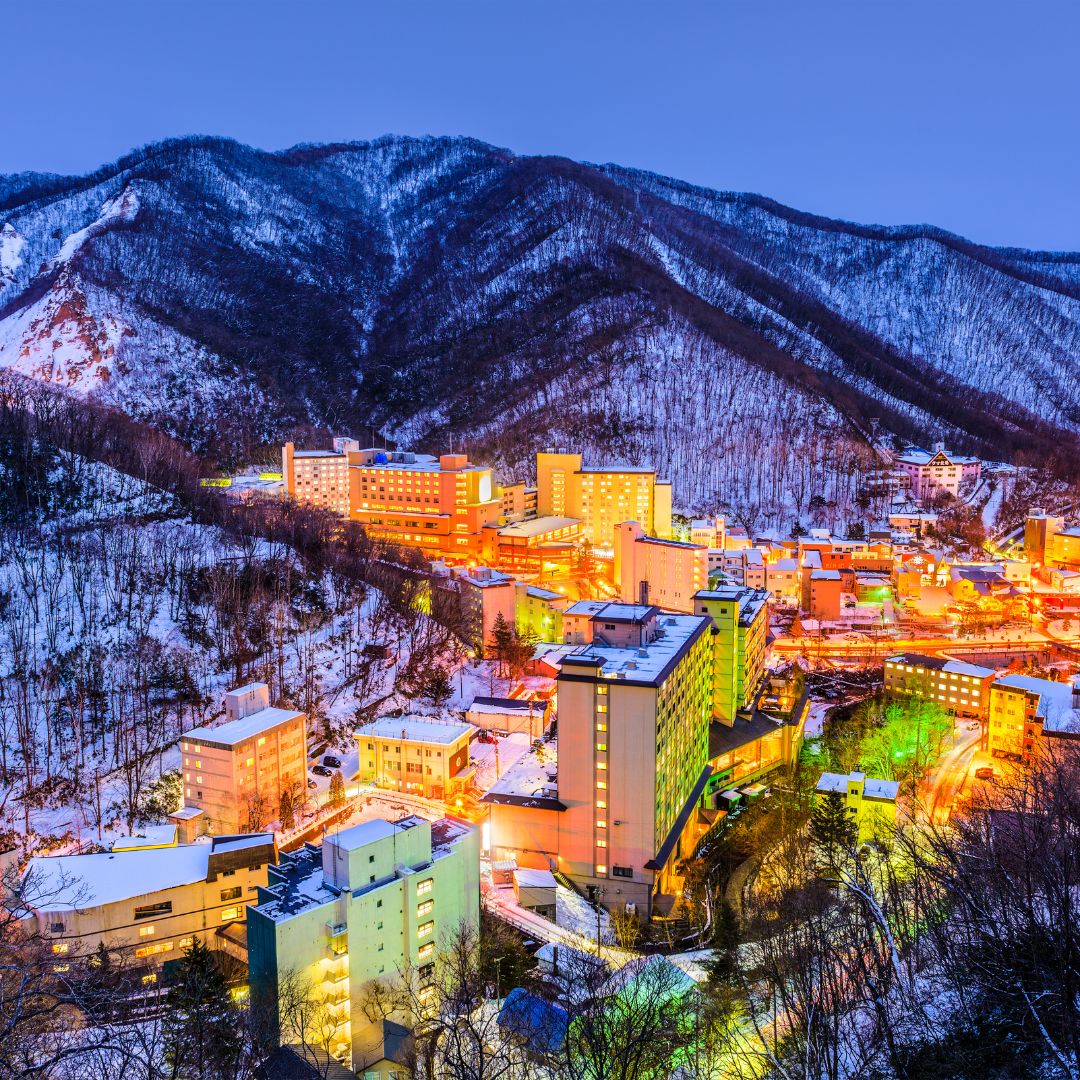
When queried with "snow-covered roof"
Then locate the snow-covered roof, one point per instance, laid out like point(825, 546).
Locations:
point(237, 731)
point(538, 526)
point(873, 788)
point(530, 781)
point(825, 575)
point(65, 882)
point(543, 594)
point(534, 879)
point(1055, 707)
point(648, 663)
point(366, 832)
point(417, 729)
point(151, 836)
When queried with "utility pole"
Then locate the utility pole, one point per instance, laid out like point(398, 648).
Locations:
point(498, 979)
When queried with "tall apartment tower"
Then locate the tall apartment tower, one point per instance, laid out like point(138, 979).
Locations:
point(601, 497)
point(740, 620)
point(319, 478)
point(634, 704)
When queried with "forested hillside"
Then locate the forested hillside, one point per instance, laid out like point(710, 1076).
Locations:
point(412, 288)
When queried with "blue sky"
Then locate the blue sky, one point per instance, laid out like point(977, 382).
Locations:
point(962, 114)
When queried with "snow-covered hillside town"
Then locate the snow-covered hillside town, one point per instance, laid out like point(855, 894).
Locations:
point(524, 556)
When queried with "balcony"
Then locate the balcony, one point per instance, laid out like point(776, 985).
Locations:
point(336, 930)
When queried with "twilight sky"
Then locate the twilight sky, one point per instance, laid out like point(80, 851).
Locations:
point(961, 113)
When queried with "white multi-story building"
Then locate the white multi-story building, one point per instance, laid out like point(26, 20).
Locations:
point(934, 471)
point(375, 900)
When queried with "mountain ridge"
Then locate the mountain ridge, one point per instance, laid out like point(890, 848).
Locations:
point(422, 287)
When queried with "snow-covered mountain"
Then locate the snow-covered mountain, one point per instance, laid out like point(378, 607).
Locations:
point(418, 287)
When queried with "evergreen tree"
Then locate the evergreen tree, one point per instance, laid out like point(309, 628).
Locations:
point(832, 828)
point(723, 965)
point(502, 641)
point(337, 788)
point(287, 808)
point(437, 686)
point(201, 1027)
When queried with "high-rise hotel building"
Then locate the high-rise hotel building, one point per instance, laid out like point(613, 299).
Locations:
point(634, 704)
point(602, 497)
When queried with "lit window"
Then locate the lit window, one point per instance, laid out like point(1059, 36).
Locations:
point(601, 804)
point(425, 929)
point(425, 950)
point(146, 931)
point(424, 886)
point(424, 908)
point(601, 785)
point(601, 868)
point(61, 947)
point(230, 913)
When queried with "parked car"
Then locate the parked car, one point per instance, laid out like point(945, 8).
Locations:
point(332, 762)
point(321, 770)
point(984, 773)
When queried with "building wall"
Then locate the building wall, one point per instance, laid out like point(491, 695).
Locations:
point(629, 756)
point(367, 934)
point(602, 499)
point(405, 765)
point(738, 663)
point(825, 598)
point(965, 695)
point(531, 835)
point(441, 510)
point(650, 572)
point(1013, 727)
point(149, 938)
point(320, 480)
point(225, 782)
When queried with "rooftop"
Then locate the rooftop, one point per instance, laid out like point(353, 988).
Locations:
point(507, 705)
point(74, 882)
point(409, 462)
point(649, 663)
point(531, 781)
point(613, 611)
point(420, 729)
point(538, 526)
point(941, 663)
point(298, 882)
point(237, 731)
point(873, 788)
point(1055, 707)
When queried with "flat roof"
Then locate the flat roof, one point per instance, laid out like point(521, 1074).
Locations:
point(420, 463)
point(646, 664)
point(616, 469)
point(236, 731)
point(531, 781)
point(537, 526)
point(366, 832)
point(417, 729)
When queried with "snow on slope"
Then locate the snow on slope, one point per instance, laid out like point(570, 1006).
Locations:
point(123, 208)
point(60, 339)
point(11, 247)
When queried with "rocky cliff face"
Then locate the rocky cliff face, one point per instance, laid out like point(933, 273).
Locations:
point(418, 287)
